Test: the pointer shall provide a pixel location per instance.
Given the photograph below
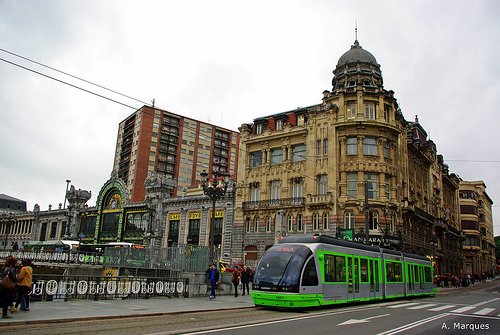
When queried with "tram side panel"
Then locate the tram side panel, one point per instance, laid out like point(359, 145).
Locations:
point(349, 275)
point(393, 276)
point(419, 277)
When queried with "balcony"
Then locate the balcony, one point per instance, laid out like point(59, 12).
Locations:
point(318, 200)
point(273, 204)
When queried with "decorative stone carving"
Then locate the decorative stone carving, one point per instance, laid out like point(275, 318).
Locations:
point(158, 188)
point(76, 202)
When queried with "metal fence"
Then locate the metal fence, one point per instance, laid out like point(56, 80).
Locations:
point(189, 258)
point(181, 257)
point(50, 287)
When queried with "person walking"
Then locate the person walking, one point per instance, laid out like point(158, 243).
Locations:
point(7, 292)
point(24, 285)
point(245, 279)
point(235, 279)
point(213, 279)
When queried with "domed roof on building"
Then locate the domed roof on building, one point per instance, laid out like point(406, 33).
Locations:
point(357, 54)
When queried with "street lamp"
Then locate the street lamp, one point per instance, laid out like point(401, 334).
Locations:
point(367, 215)
point(66, 194)
point(215, 188)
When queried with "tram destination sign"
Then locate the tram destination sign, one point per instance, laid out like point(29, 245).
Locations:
point(384, 241)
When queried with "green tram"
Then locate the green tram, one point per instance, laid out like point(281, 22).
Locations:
point(319, 270)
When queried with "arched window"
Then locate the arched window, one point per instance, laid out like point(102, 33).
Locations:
point(300, 226)
point(326, 221)
point(255, 224)
point(269, 223)
point(370, 111)
point(248, 225)
point(290, 222)
point(373, 221)
point(316, 221)
point(349, 220)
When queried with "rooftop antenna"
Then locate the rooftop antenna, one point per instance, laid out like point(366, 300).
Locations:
point(356, 29)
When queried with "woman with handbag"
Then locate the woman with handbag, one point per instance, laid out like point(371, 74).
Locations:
point(8, 285)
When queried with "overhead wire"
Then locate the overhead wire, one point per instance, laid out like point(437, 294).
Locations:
point(72, 76)
point(66, 83)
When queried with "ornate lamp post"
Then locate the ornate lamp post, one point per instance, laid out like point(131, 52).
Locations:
point(66, 194)
point(215, 188)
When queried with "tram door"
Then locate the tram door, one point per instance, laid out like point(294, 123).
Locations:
point(353, 277)
point(411, 279)
point(374, 278)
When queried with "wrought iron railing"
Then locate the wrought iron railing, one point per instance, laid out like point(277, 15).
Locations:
point(49, 287)
point(275, 203)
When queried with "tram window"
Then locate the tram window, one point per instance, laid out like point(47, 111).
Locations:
point(334, 268)
point(310, 277)
point(364, 270)
point(428, 275)
point(416, 270)
point(393, 272)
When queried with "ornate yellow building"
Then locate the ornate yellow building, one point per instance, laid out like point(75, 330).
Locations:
point(343, 168)
point(477, 225)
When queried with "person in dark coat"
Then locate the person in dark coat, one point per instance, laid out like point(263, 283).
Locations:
point(7, 295)
point(213, 279)
point(235, 280)
point(245, 279)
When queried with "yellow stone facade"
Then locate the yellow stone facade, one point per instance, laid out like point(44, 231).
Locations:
point(477, 225)
point(310, 170)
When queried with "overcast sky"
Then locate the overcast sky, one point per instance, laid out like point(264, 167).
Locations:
point(228, 62)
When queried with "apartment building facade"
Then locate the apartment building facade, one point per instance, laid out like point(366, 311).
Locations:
point(350, 166)
point(155, 140)
point(477, 225)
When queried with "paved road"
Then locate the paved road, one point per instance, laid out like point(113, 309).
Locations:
point(478, 304)
point(90, 309)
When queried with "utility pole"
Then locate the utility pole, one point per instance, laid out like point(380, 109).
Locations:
point(367, 215)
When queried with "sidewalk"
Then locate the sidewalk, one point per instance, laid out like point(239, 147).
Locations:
point(83, 309)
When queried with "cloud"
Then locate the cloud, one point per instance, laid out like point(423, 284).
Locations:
point(233, 62)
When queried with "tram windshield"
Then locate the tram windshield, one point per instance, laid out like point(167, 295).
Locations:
point(280, 268)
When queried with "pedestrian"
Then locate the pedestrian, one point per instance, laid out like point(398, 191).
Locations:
point(7, 291)
point(235, 280)
point(245, 279)
point(24, 285)
point(213, 279)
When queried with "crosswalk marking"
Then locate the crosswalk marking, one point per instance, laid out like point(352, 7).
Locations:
point(463, 309)
point(422, 306)
point(436, 307)
point(484, 311)
point(441, 308)
point(404, 305)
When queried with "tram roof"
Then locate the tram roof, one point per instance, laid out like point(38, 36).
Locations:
point(317, 238)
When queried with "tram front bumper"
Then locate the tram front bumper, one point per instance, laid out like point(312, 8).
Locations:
point(286, 300)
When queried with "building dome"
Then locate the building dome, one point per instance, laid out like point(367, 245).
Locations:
point(357, 67)
point(357, 54)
